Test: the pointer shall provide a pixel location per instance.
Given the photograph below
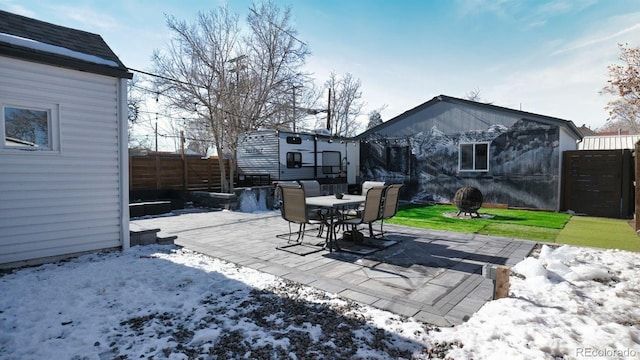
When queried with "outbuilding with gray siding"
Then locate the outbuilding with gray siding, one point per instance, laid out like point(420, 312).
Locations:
point(514, 157)
point(64, 180)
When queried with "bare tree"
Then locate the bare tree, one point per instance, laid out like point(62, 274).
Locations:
point(198, 137)
point(134, 101)
point(474, 95)
point(624, 84)
point(375, 118)
point(616, 125)
point(233, 83)
point(344, 104)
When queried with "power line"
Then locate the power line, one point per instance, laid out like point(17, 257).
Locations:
point(280, 28)
point(166, 78)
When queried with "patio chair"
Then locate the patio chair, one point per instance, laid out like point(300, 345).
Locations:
point(389, 205)
point(311, 187)
point(277, 194)
point(370, 212)
point(294, 210)
point(365, 187)
point(369, 184)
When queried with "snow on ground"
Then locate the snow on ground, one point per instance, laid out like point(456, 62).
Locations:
point(166, 302)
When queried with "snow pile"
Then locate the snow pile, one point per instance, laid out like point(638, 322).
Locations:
point(163, 302)
point(54, 49)
point(166, 302)
point(568, 303)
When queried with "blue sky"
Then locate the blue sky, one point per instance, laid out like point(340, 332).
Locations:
point(546, 57)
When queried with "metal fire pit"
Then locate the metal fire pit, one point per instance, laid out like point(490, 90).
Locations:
point(468, 200)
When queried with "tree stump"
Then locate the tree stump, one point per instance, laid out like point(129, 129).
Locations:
point(468, 200)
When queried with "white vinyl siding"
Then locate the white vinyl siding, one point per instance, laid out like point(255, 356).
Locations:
point(66, 201)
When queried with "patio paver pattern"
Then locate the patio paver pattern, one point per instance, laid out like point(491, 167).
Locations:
point(433, 276)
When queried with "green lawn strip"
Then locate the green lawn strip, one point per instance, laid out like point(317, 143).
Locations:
point(521, 232)
point(599, 232)
point(522, 224)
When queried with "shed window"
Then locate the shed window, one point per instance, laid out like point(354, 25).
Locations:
point(294, 160)
point(29, 127)
point(474, 157)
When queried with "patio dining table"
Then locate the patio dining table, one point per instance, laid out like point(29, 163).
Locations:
point(333, 205)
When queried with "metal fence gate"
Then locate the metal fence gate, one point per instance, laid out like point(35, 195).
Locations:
point(598, 182)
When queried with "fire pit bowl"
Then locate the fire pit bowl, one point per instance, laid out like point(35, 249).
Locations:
point(468, 200)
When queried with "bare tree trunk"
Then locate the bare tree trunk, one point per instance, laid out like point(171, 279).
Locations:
point(223, 172)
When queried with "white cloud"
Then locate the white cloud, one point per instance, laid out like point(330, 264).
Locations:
point(12, 7)
point(597, 39)
point(567, 88)
point(534, 13)
point(90, 18)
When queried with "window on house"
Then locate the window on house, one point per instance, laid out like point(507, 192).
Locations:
point(331, 163)
point(294, 160)
point(474, 157)
point(29, 127)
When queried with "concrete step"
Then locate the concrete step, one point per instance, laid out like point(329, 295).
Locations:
point(148, 237)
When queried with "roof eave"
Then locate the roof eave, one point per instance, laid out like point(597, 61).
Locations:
point(63, 61)
point(524, 114)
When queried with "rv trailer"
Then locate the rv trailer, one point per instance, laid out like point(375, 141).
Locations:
point(264, 157)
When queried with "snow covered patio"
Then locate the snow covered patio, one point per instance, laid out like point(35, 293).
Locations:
point(173, 303)
point(433, 276)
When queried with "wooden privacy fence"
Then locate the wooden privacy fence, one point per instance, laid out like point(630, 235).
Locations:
point(598, 182)
point(168, 171)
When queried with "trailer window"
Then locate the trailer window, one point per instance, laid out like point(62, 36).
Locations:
point(331, 163)
point(294, 140)
point(294, 160)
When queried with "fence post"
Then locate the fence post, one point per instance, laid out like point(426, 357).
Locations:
point(500, 276)
point(636, 216)
point(185, 175)
point(209, 174)
point(158, 171)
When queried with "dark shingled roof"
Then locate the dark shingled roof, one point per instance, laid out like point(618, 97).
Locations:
point(489, 107)
point(72, 39)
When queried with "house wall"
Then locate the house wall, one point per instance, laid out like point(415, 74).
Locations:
point(524, 156)
point(68, 200)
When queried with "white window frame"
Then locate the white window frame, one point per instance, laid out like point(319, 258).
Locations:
point(473, 144)
point(53, 125)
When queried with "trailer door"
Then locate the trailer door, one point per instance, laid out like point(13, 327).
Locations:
point(353, 161)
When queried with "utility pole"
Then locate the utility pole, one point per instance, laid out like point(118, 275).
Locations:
point(294, 87)
point(185, 176)
point(294, 108)
point(156, 132)
point(329, 112)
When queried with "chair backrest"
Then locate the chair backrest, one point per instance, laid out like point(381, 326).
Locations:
point(391, 195)
point(311, 187)
point(371, 210)
point(369, 184)
point(294, 207)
